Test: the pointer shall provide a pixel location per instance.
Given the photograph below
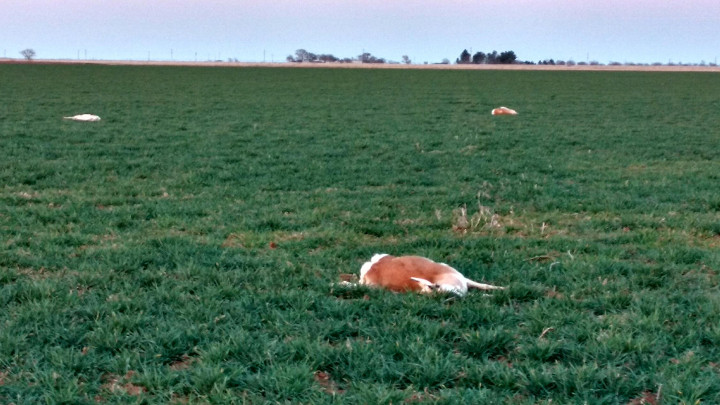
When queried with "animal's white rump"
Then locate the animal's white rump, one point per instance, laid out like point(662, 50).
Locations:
point(83, 117)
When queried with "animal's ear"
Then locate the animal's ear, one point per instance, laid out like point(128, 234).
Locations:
point(426, 285)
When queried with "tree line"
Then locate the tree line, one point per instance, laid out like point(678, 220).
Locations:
point(302, 55)
point(506, 57)
point(478, 58)
point(490, 58)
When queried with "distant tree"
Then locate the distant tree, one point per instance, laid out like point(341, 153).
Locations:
point(369, 58)
point(507, 57)
point(28, 54)
point(327, 58)
point(445, 61)
point(478, 58)
point(302, 55)
point(492, 58)
point(464, 57)
point(406, 60)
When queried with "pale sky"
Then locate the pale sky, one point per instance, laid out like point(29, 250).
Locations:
point(641, 31)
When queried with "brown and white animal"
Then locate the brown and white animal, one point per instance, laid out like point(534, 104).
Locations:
point(503, 111)
point(415, 273)
point(83, 117)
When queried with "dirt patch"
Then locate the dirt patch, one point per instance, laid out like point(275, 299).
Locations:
point(120, 385)
point(646, 398)
point(183, 364)
point(326, 383)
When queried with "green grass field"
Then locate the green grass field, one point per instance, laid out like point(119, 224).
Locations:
point(182, 250)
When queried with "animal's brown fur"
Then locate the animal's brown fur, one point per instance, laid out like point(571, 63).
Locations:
point(415, 273)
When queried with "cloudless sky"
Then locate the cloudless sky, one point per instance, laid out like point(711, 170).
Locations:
point(641, 31)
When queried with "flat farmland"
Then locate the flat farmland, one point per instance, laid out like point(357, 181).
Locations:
point(185, 249)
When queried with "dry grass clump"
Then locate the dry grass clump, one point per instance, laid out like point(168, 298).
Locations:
point(483, 219)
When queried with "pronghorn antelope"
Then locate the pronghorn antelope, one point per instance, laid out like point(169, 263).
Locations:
point(503, 111)
point(415, 273)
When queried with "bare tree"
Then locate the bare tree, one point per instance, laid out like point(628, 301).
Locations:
point(302, 55)
point(28, 54)
point(406, 60)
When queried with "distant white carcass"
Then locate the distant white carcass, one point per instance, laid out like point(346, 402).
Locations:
point(83, 117)
point(503, 111)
